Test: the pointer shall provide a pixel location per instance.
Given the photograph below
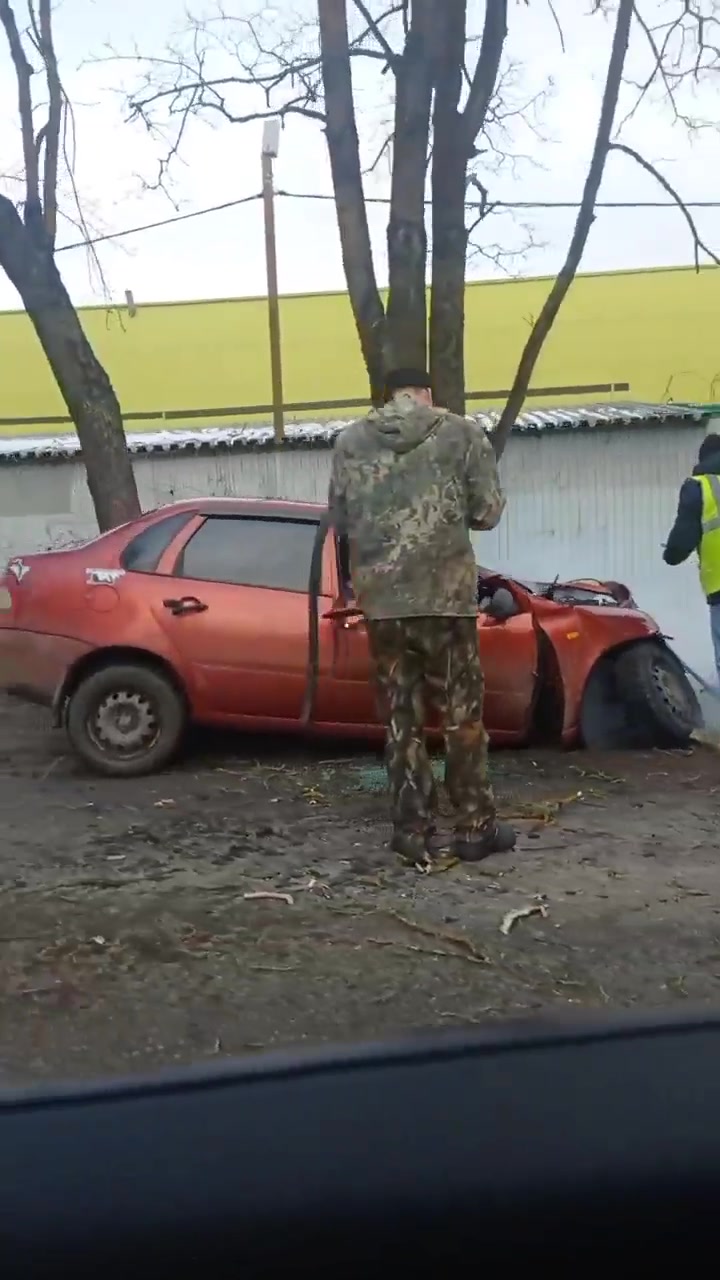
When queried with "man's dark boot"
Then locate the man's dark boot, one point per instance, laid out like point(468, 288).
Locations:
point(411, 846)
point(494, 837)
point(439, 841)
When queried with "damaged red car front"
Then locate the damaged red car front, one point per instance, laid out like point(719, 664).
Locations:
point(607, 675)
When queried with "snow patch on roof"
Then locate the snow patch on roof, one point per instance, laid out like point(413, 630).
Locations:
point(304, 435)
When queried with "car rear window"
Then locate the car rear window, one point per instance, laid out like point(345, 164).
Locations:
point(142, 555)
point(250, 552)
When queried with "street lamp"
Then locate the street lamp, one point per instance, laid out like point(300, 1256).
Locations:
point(270, 148)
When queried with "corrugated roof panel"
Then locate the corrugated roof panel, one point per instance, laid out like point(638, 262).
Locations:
point(322, 434)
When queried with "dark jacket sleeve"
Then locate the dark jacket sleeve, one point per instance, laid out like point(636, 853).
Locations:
point(686, 533)
point(486, 501)
point(336, 493)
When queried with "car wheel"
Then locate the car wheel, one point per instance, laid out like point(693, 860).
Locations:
point(653, 684)
point(125, 721)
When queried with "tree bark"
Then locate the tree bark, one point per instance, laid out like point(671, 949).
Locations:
point(27, 259)
point(449, 233)
point(454, 135)
point(345, 167)
point(585, 219)
point(406, 235)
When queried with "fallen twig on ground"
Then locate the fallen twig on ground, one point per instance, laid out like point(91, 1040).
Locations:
point(313, 795)
point(427, 951)
point(53, 887)
point(465, 1017)
point(53, 765)
point(428, 931)
point(511, 918)
point(596, 775)
point(272, 895)
point(545, 812)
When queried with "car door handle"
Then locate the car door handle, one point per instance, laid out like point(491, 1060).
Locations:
point(344, 614)
point(186, 604)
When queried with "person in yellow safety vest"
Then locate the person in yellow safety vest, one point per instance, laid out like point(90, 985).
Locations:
point(697, 528)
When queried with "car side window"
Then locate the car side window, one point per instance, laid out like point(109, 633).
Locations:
point(143, 553)
point(250, 552)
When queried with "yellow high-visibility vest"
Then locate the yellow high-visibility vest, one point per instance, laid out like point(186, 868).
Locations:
point(709, 549)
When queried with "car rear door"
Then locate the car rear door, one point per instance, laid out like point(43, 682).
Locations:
point(235, 609)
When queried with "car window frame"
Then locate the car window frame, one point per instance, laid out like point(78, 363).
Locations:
point(342, 554)
point(255, 517)
point(168, 517)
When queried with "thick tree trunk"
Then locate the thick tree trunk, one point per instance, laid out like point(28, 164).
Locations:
point(447, 306)
point(454, 135)
point(406, 236)
point(27, 259)
point(344, 153)
point(449, 234)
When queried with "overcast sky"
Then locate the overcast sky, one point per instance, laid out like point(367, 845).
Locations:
point(221, 254)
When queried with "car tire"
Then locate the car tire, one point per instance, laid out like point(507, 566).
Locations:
point(126, 720)
point(652, 683)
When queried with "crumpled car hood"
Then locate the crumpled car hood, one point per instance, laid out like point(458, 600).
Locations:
point(588, 591)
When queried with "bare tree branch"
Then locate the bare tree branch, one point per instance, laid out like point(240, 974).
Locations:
point(283, 67)
point(698, 242)
point(46, 47)
point(504, 257)
point(375, 26)
point(23, 73)
point(484, 208)
point(585, 218)
point(682, 51)
point(482, 86)
point(556, 20)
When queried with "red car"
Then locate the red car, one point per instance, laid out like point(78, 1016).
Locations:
point(198, 612)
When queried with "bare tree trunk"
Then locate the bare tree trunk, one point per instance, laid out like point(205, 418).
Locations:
point(406, 235)
point(585, 219)
point(449, 233)
point(454, 136)
point(344, 153)
point(27, 259)
point(449, 253)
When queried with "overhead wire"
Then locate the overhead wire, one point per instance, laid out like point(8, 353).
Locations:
point(506, 205)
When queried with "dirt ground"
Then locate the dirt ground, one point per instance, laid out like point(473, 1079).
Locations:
point(130, 936)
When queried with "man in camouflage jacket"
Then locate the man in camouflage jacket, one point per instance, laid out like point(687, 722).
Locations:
point(408, 484)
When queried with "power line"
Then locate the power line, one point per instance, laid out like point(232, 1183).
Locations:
point(162, 222)
point(528, 204)
point(378, 200)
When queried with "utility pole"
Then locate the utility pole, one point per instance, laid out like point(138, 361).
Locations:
point(270, 147)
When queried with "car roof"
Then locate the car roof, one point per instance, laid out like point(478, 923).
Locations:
point(276, 509)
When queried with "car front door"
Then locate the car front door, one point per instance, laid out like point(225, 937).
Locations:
point(235, 609)
point(509, 656)
point(508, 653)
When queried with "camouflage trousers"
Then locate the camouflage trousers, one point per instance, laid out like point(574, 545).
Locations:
point(424, 664)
